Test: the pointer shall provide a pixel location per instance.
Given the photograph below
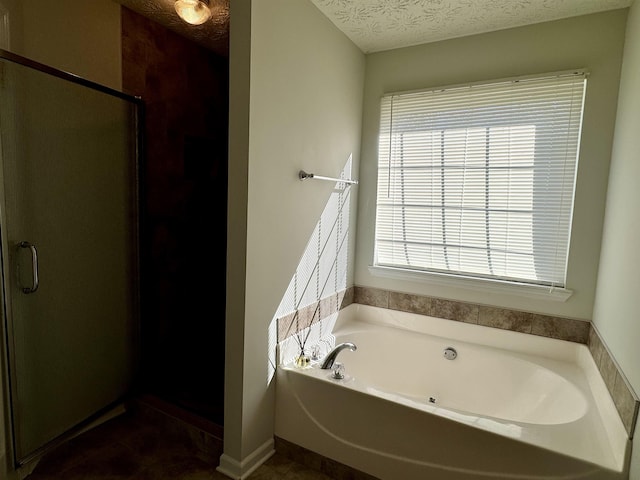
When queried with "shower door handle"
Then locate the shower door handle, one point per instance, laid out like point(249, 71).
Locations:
point(34, 266)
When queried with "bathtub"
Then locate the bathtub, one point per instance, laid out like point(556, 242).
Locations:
point(509, 406)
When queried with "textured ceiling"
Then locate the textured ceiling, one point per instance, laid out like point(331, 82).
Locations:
point(213, 34)
point(375, 25)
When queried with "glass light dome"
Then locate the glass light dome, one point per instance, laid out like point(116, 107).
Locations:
point(195, 12)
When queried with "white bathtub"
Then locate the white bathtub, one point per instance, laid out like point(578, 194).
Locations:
point(510, 406)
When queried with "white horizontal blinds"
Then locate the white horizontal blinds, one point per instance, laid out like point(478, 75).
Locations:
point(479, 180)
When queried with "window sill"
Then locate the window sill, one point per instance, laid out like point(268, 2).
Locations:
point(477, 284)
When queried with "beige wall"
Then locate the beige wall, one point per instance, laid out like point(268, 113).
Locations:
point(77, 36)
point(616, 312)
point(593, 42)
point(239, 84)
point(305, 110)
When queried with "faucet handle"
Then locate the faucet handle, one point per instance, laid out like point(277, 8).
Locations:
point(337, 371)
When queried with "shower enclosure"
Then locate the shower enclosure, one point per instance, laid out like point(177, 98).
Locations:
point(69, 207)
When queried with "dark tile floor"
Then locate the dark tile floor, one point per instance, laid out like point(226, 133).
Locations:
point(129, 447)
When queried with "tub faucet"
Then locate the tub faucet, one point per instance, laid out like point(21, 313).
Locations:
point(327, 363)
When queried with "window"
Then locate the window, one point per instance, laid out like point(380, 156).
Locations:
point(478, 180)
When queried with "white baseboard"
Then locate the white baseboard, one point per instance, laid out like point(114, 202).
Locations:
point(240, 470)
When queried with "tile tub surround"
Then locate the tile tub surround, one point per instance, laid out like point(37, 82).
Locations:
point(624, 397)
point(310, 314)
point(561, 328)
point(569, 329)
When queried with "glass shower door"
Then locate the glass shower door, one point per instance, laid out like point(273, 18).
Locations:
point(69, 249)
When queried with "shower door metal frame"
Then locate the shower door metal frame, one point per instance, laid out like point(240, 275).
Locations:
point(8, 374)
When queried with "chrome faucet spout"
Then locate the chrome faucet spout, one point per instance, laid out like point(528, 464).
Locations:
point(327, 363)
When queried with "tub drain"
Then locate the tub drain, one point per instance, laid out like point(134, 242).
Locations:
point(450, 353)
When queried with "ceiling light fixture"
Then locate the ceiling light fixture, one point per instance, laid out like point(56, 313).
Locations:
point(195, 12)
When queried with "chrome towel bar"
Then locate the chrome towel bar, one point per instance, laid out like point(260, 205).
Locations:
point(302, 175)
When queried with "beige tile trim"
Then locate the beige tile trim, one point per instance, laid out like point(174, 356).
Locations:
point(308, 315)
point(561, 328)
point(623, 395)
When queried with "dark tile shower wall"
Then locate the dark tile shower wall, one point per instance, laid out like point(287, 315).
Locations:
point(185, 89)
